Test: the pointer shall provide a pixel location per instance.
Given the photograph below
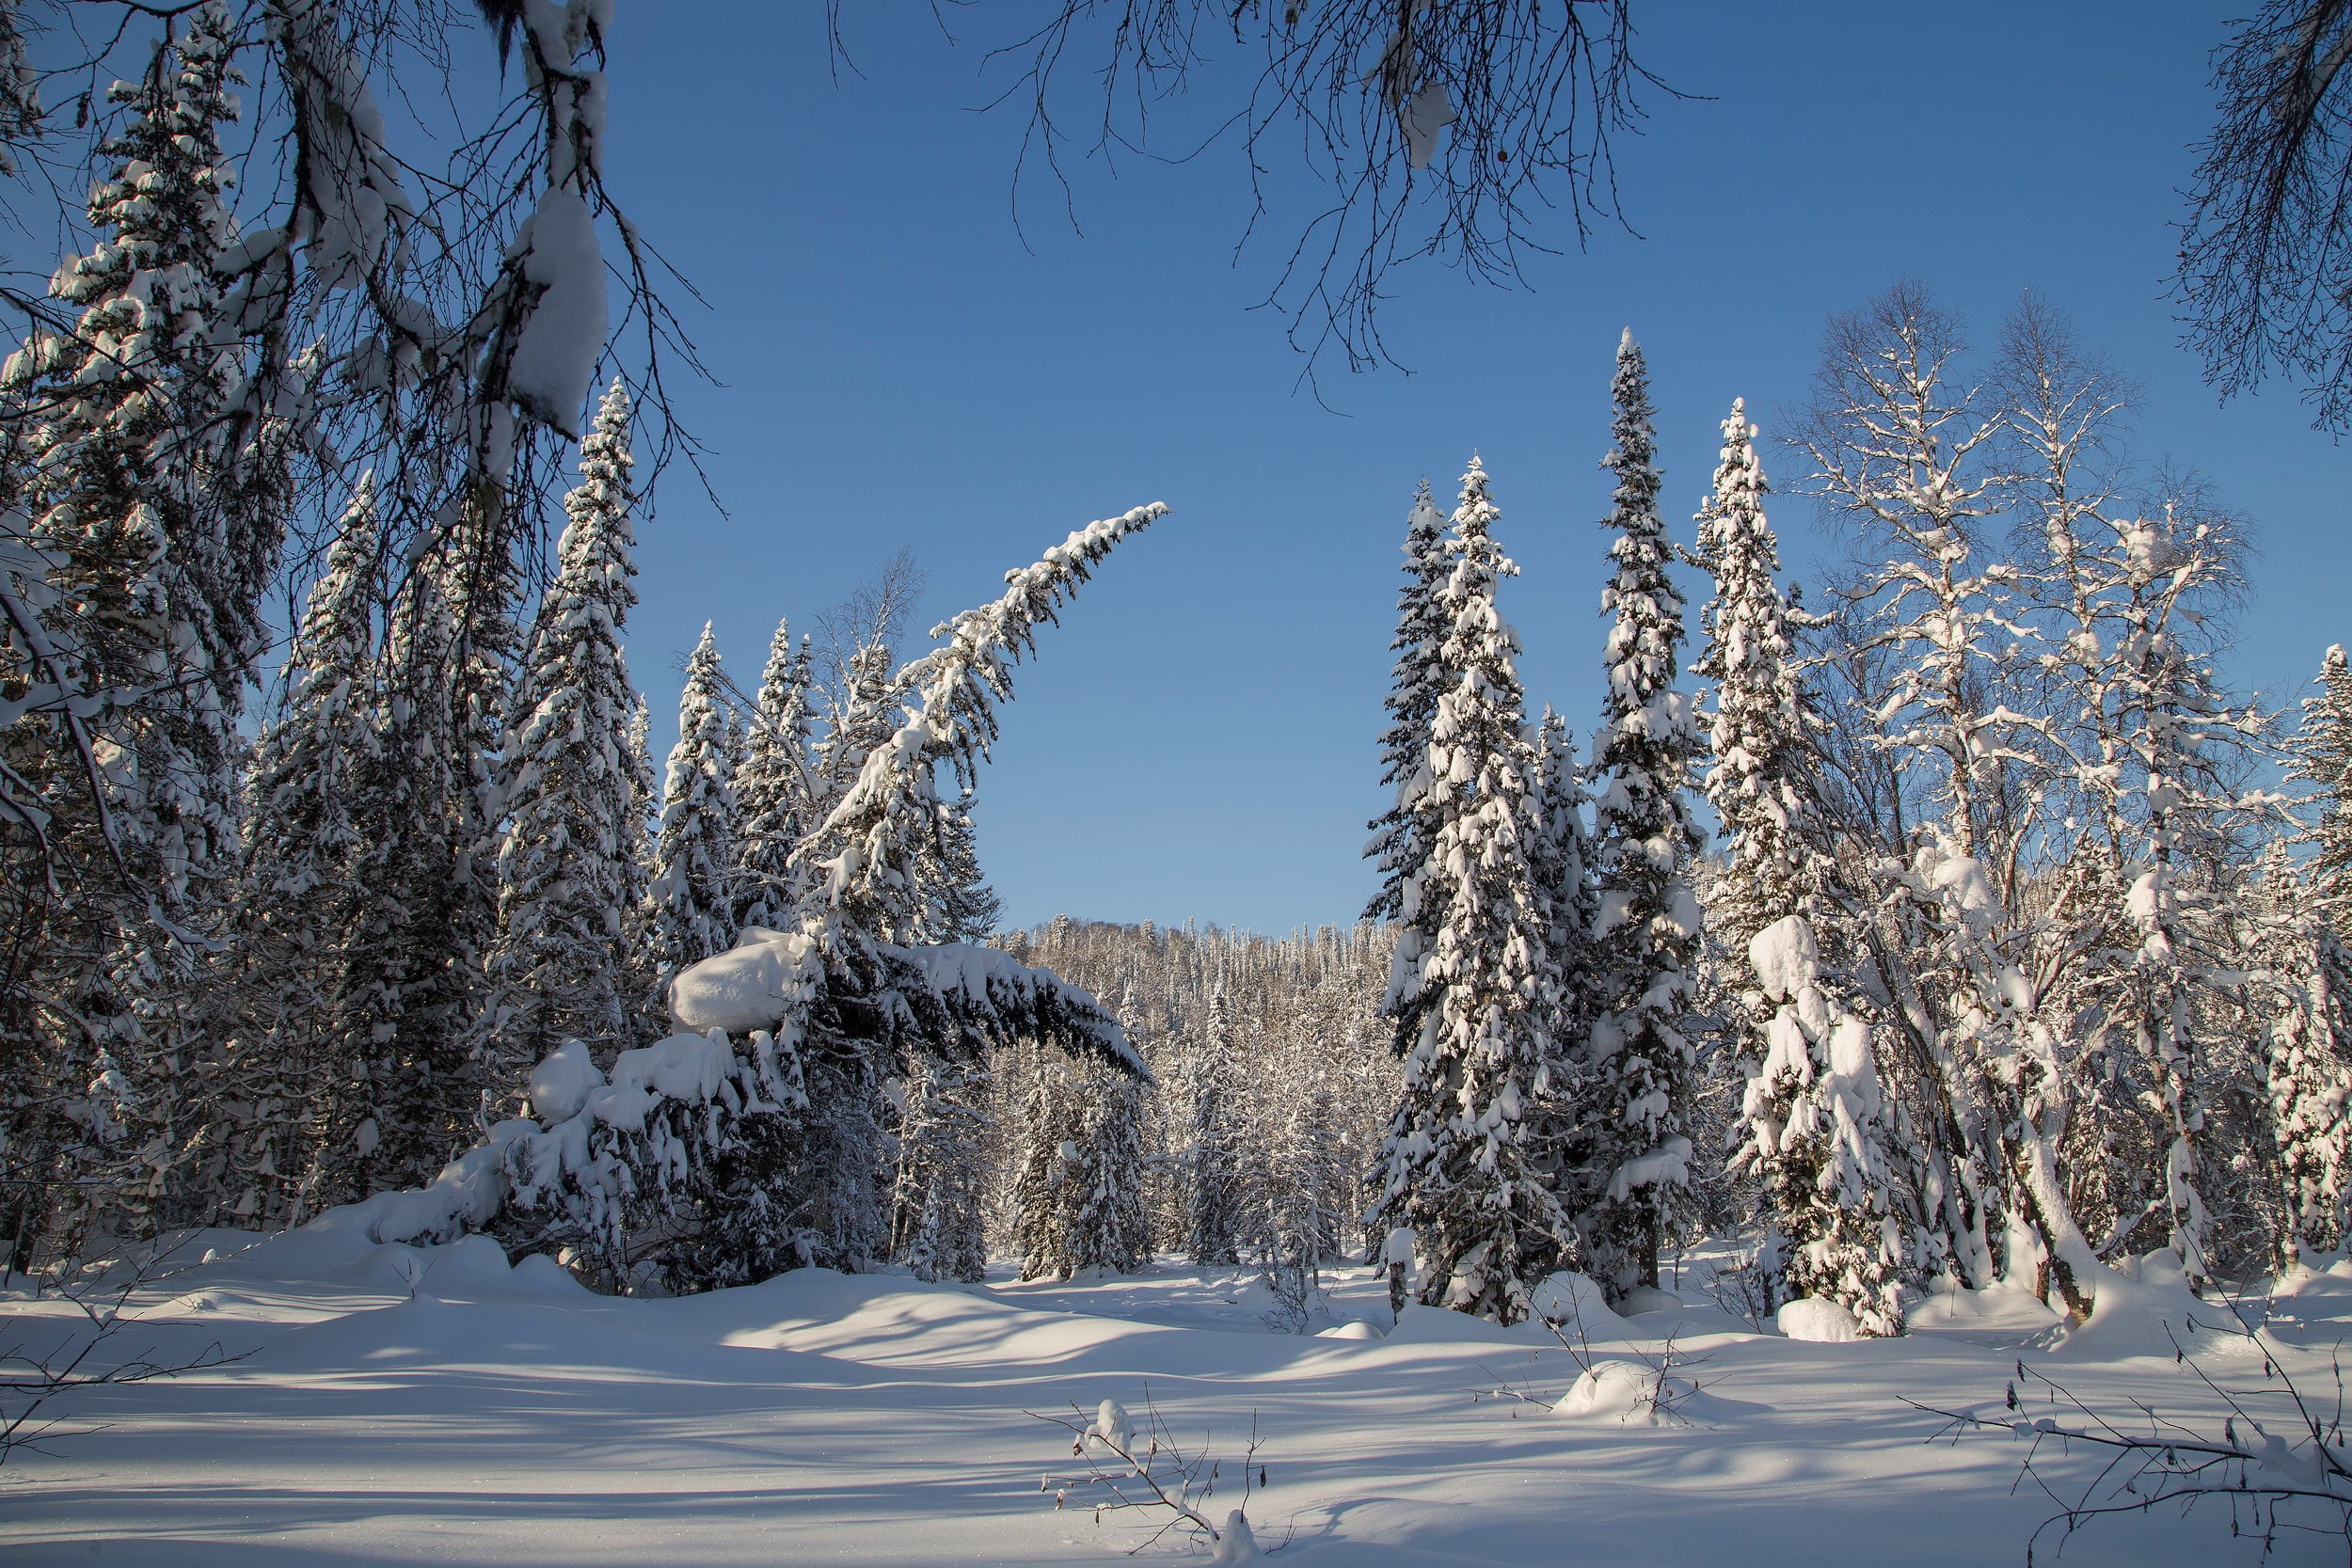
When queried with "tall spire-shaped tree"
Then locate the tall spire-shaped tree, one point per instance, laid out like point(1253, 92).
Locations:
point(1637, 1158)
point(119, 469)
point(775, 789)
point(1457, 1167)
point(568, 868)
point(691, 902)
point(1758, 780)
point(1397, 835)
point(296, 887)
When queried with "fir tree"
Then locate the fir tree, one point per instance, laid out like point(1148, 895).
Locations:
point(296, 886)
point(776, 790)
point(1214, 1083)
point(1107, 1229)
point(1398, 834)
point(1045, 1189)
point(567, 868)
point(1760, 779)
point(691, 901)
point(2321, 756)
point(1471, 1012)
point(1636, 1156)
point(121, 474)
point(403, 1092)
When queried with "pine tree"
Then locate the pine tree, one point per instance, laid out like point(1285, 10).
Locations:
point(1398, 834)
point(1457, 1167)
point(567, 868)
point(957, 903)
point(691, 901)
point(296, 885)
point(776, 788)
point(1636, 1156)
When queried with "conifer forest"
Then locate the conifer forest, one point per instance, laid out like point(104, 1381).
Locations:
point(1862, 1067)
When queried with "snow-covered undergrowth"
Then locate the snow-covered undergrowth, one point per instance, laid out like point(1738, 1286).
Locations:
point(430, 1404)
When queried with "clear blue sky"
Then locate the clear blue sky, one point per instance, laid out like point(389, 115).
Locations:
point(1197, 740)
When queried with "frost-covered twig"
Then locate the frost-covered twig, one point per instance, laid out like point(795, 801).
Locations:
point(32, 1382)
point(2147, 1459)
point(1157, 1474)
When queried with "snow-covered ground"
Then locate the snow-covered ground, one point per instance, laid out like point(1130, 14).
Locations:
point(406, 1405)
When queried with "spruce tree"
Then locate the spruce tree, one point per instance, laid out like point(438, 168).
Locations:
point(295, 886)
point(1214, 1083)
point(691, 901)
point(119, 478)
point(1759, 776)
point(1398, 834)
point(1472, 1013)
point(1107, 1229)
point(567, 868)
point(2320, 754)
point(776, 790)
point(402, 1090)
point(1635, 1155)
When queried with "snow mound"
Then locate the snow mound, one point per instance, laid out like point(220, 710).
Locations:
point(1824, 1322)
point(1648, 1298)
point(1234, 1542)
point(2143, 1308)
point(1576, 1303)
point(2001, 1311)
point(1442, 1325)
point(1628, 1393)
point(1356, 1330)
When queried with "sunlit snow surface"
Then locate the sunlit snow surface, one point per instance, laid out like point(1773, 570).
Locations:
point(509, 1418)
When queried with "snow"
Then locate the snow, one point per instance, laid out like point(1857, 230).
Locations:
point(563, 337)
point(1820, 1323)
point(404, 1404)
point(754, 985)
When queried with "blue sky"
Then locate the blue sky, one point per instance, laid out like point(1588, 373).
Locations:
point(1197, 740)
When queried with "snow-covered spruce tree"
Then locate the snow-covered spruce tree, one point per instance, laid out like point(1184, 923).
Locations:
point(402, 1093)
point(1107, 1228)
point(691, 901)
point(1214, 1079)
point(1633, 1152)
point(958, 904)
point(1471, 1012)
point(1759, 775)
point(862, 716)
point(776, 791)
point(1397, 843)
point(116, 419)
point(1045, 1190)
point(567, 867)
point(296, 890)
point(1563, 876)
point(938, 1223)
point(2304, 979)
point(2321, 756)
point(1814, 1126)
